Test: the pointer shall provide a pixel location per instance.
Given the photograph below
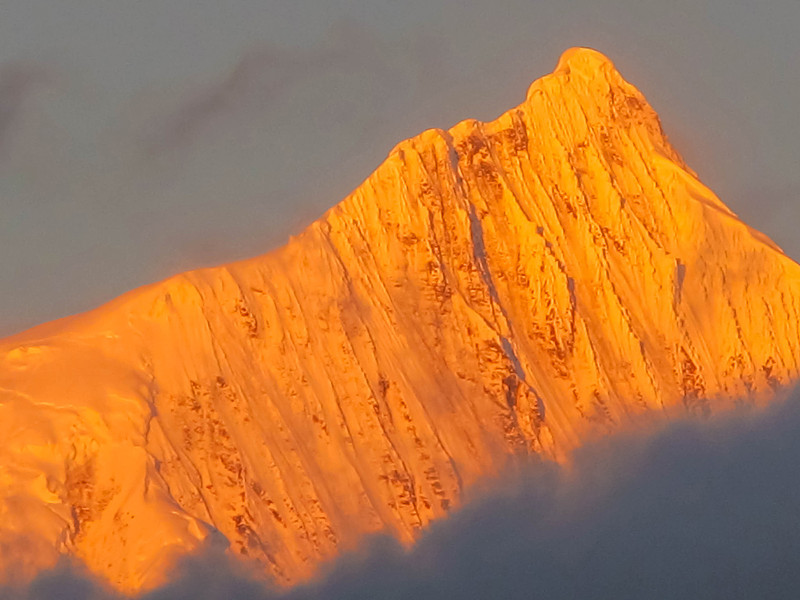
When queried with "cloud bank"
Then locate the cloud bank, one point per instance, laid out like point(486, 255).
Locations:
point(693, 509)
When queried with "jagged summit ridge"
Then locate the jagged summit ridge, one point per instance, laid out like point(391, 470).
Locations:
point(490, 292)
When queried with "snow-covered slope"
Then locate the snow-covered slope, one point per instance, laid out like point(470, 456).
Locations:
point(493, 291)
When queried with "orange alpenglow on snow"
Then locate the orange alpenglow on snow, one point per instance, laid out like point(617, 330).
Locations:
point(493, 291)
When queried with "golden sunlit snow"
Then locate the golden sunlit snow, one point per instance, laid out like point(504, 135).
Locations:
point(497, 290)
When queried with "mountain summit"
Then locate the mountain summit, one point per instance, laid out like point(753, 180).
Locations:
point(490, 292)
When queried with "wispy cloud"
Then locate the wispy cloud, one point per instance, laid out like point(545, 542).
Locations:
point(17, 82)
point(260, 78)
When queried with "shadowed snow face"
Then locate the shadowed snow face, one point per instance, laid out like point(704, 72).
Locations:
point(692, 510)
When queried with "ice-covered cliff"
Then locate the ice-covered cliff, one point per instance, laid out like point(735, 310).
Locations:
point(493, 291)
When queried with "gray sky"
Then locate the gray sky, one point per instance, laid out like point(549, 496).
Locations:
point(139, 139)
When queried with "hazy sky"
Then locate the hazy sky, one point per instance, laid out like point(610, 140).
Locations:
point(139, 139)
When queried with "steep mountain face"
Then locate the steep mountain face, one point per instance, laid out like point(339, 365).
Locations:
point(494, 291)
